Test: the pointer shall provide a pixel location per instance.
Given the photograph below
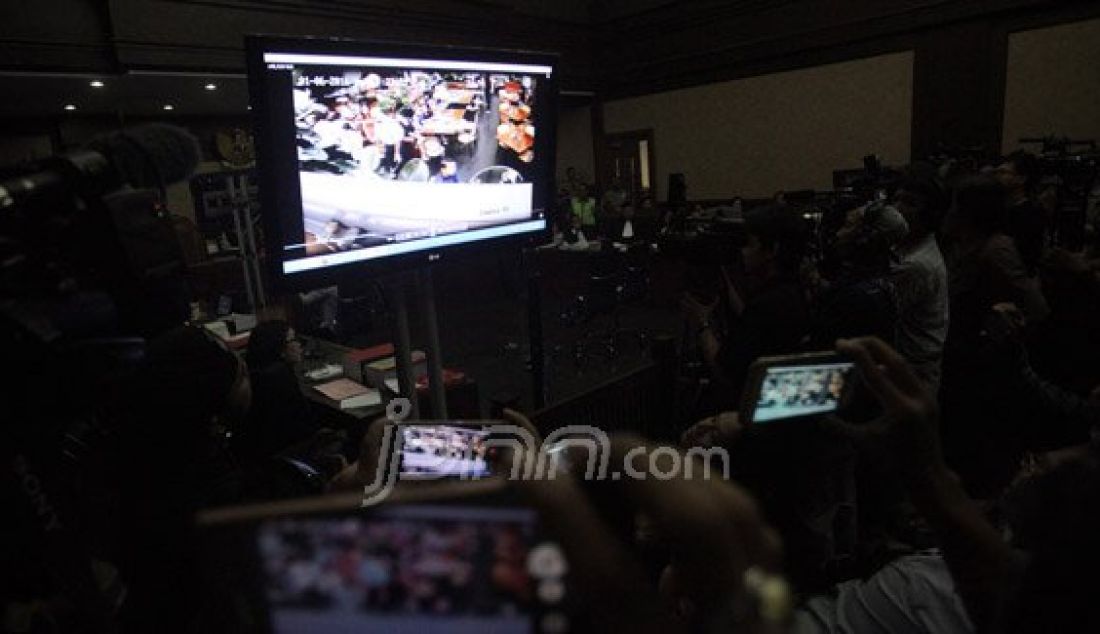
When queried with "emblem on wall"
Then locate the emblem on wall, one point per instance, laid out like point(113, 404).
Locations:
point(235, 147)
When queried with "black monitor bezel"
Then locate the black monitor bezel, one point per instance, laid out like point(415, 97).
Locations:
point(273, 196)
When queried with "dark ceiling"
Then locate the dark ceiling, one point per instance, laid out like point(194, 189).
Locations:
point(51, 49)
point(139, 95)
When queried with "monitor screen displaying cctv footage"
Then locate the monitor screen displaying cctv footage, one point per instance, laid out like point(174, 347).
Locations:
point(382, 154)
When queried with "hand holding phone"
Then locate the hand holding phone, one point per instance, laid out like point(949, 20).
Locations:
point(795, 386)
point(715, 431)
point(713, 526)
point(906, 436)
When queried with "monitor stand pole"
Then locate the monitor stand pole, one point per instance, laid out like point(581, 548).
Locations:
point(534, 328)
point(406, 382)
point(397, 290)
point(435, 351)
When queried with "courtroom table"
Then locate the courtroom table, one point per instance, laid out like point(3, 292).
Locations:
point(317, 353)
point(462, 398)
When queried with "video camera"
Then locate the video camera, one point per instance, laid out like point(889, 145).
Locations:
point(89, 266)
point(91, 223)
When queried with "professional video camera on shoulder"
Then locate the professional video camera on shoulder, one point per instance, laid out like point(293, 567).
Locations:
point(89, 266)
point(92, 222)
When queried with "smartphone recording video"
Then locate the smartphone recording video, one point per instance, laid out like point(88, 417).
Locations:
point(443, 450)
point(415, 568)
point(792, 387)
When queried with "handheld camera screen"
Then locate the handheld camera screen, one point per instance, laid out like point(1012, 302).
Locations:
point(443, 451)
point(419, 568)
point(801, 390)
point(382, 155)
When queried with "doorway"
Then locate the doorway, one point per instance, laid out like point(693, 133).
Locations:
point(628, 160)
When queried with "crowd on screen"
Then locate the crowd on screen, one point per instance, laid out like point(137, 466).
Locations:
point(396, 566)
point(381, 123)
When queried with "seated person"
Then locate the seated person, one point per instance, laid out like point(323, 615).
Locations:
point(573, 238)
point(626, 229)
point(173, 425)
point(583, 206)
point(448, 172)
point(280, 415)
point(172, 447)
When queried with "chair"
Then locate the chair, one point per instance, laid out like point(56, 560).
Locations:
point(614, 281)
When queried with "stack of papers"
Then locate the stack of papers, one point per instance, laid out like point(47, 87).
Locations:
point(349, 394)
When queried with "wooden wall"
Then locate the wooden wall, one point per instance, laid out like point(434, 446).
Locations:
point(959, 49)
point(790, 130)
point(575, 142)
point(1053, 83)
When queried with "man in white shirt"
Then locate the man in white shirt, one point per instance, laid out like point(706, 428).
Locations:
point(625, 229)
point(920, 280)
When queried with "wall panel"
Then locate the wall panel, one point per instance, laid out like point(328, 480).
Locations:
point(575, 142)
point(1052, 83)
point(790, 130)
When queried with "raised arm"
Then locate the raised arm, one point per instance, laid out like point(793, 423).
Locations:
point(985, 569)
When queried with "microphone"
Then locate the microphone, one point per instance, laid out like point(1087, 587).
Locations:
point(150, 155)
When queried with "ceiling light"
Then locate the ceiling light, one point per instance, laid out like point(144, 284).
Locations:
point(211, 86)
point(249, 107)
point(169, 106)
point(95, 83)
point(70, 106)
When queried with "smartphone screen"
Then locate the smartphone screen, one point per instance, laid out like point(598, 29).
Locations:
point(800, 390)
point(413, 568)
point(443, 450)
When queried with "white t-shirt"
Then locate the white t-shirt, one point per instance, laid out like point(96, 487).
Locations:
point(911, 595)
point(920, 281)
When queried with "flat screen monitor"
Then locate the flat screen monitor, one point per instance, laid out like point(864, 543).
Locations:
point(375, 156)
